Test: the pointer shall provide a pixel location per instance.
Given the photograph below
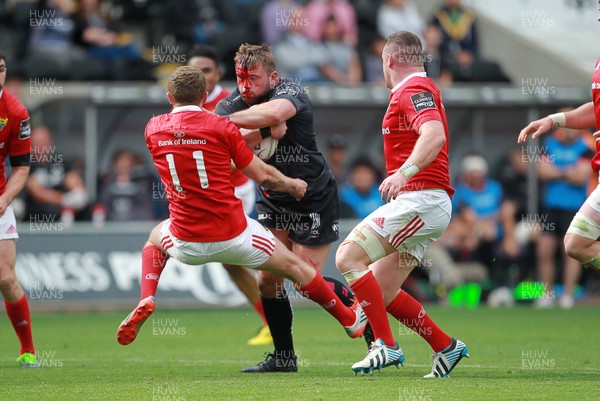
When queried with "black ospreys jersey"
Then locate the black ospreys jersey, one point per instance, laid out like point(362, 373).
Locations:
point(297, 155)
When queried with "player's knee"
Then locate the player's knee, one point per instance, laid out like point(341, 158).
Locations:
point(342, 259)
point(574, 248)
point(8, 280)
point(268, 284)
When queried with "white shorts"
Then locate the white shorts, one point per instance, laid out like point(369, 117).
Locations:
point(594, 199)
point(251, 248)
point(8, 224)
point(247, 193)
point(413, 220)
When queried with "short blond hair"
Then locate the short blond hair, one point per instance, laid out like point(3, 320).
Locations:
point(249, 56)
point(406, 48)
point(187, 85)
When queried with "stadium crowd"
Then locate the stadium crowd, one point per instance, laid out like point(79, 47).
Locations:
point(336, 41)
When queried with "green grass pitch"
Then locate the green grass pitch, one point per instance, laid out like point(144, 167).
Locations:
point(516, 354)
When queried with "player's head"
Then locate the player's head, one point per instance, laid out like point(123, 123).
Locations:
point(207, 59)
point(255, 72)
point(2, 69)
point(186, 86)
point(402, 55)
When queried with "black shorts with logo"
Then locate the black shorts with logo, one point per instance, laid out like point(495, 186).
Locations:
point(312, 221)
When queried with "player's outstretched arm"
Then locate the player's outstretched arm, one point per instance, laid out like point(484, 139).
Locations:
point(264, 115)
point(582, 117)
point(269, 177)
point(431, 141)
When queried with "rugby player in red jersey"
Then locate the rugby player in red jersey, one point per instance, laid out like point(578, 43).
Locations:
point(581, 240)
point(206, 58)
point(379, 254)
point(192, 150)
point(15, 133)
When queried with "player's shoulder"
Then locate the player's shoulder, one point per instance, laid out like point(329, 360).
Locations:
point(14, 105)
point(231, 103)
point(419, 93)
point(287, 88)
point(156, 124)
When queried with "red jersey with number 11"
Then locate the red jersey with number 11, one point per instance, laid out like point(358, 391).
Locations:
point(192, 149)
point(413, 102)
point(596, 100)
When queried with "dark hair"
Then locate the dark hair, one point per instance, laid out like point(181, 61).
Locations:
point(367, 163)
point(204, 51)
point(2, 55)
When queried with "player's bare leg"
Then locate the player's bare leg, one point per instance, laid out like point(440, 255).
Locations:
point(246, 281)
point(580, 240)
point(154, 259)
point(15, 301)
point(545, 251)
point(285, 264)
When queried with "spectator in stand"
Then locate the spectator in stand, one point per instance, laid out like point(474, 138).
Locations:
point(434, 63)
point(342, 65)
point(513, 179)
point(126, 191)
point(399, 15)
point(317, 12)
point(361, 194)
point(373, 68)
point(459, 33)
point(459, 47)
point(54, 189)
point(50, 39)
point(475, 226)
point(565, 171)
point(199, 21)
point(275, 17)
point(95, 33)
point(336, 157)
point(297, 56)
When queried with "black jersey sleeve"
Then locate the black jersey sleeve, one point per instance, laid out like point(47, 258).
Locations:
point(294, 93)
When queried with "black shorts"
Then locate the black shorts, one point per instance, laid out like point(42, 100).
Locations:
point(557, 221)
point(313, 221)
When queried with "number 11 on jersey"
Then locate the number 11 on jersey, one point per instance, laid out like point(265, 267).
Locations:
point(200, 167)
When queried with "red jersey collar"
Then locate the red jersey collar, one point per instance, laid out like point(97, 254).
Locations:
point(190, 107)
point(414, 74)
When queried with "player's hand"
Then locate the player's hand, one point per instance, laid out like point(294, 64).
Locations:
point(391, 186)
point(535, 129)
point(597, 136)
point(278, 130)
point(298, 188)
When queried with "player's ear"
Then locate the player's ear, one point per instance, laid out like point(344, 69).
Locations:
point(204, 97)
point(171, 98)
point(273, 79)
